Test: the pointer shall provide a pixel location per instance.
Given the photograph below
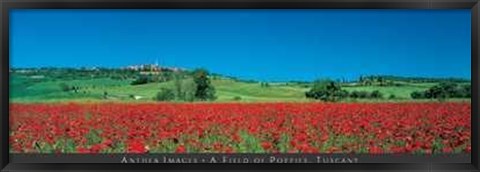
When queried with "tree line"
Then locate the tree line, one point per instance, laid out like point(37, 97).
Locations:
point(328, 90)
point(416, 79)
point(443, 91)
point(331, 91)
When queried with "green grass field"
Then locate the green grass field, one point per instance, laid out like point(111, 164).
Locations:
point(25, 89)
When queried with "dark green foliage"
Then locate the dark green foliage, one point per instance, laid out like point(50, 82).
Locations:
point(326, 90)
point(389, 80)
point(467, 90)
point(165, 95)
point(443, 91)
point(237, 98)
point(75, 88)
point(65, 87)
point(264, 84)
point(392, 96)
point(376, 94)
point(366, 95)
point(360, 94)
point(141, 80)
point(205, 90)
point(414, 79)
point(354, 94)
point(418, 95)
point(341, 94)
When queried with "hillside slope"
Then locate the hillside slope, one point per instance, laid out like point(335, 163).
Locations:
point(23, 89)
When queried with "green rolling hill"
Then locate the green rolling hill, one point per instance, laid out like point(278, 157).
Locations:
point(27, 89)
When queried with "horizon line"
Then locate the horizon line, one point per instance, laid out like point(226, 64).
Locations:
point(348, 79)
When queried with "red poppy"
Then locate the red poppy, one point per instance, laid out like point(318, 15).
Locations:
point(136, 146)
point(180, 149)
point(266, 145)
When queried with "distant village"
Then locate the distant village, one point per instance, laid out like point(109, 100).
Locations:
point(151, 69)
point(144, 69)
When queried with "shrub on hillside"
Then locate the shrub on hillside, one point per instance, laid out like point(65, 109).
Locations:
point(165, 94)
point(237, 98)
point(65, 87)
point(141, 80)
point(366, 95)
point(359, 94)
point(392, 96)
point(444, 90)
point(376, 94)
point(326, 90)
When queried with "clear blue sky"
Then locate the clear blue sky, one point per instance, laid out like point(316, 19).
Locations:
point(270, 45)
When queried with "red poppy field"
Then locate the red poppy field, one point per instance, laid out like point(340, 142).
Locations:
point(424, 128)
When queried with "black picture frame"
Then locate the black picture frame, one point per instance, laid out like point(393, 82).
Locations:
point(6, 5)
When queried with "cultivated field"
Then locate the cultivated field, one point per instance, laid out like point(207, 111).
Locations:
point(241, 128)
point(62, 111)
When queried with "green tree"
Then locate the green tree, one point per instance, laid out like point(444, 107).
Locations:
point(418, 95)
point(326, 90)
point(467, 89)
point(189, 88)
point(360, 94)
point(392, 96)
point(141, 80)
point(376, 94)
point(165, 94)
point(205, 90)
point(443, 91)
point(179, 92)
point(64, 87)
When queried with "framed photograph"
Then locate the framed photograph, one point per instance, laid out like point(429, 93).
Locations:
point(168, 85)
